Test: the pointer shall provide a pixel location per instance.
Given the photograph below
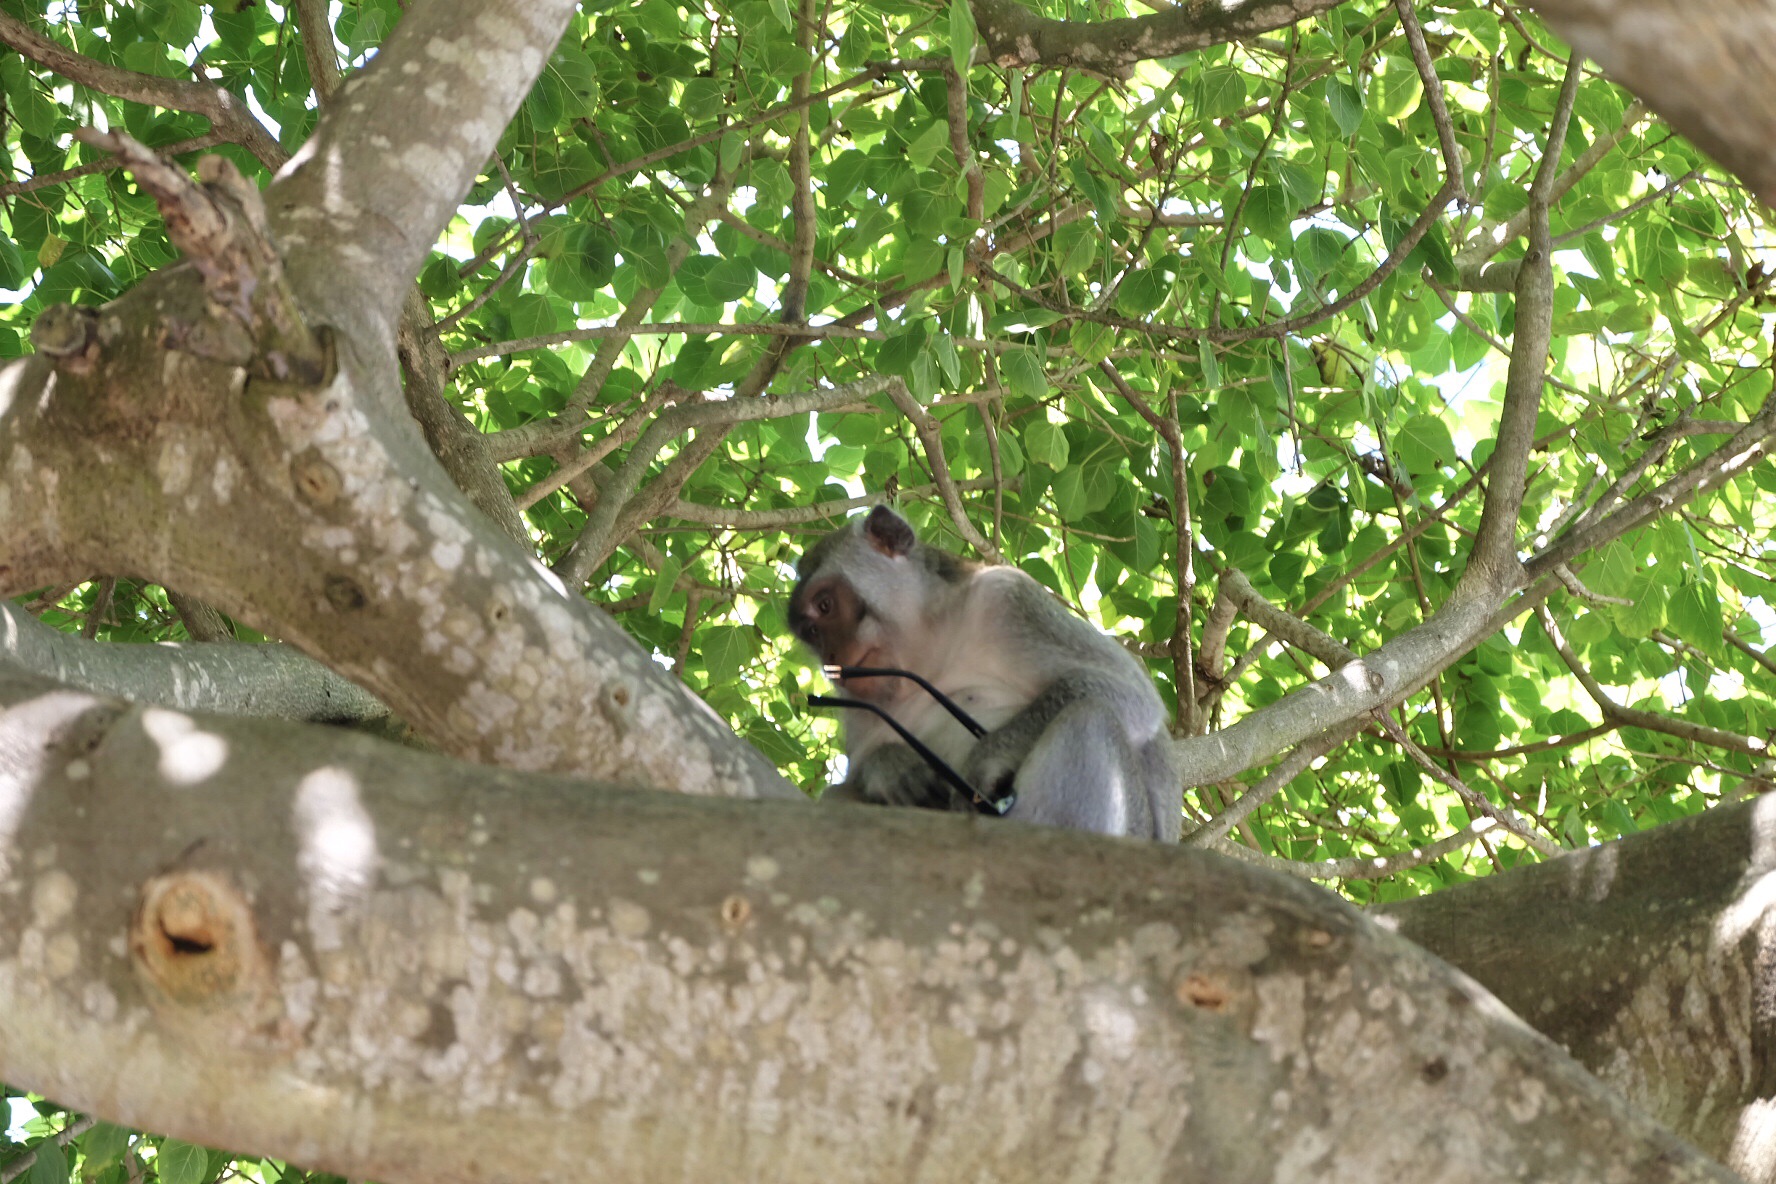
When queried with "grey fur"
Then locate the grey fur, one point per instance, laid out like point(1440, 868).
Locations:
point(1074, 724)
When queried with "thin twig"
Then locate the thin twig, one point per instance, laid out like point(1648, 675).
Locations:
point(1360, 867)
point(1503, 815)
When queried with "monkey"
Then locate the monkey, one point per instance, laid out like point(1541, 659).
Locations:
point(1074, 727)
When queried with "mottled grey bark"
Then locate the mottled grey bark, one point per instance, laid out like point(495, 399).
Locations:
point(1652, 960)
point(248, 415)
point(225, 677)
point(1013, 35)
point(1705, 67)
point(458, 445)
point(307, 944)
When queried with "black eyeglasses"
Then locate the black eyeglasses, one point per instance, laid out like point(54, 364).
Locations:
point(997, 807)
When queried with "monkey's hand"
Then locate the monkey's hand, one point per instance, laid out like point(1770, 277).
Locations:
point(895, 775)
point(994, 761)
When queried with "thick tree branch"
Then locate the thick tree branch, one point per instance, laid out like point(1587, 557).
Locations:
point(386, 941)
point(384, 206)
point(225, 677)
point(318, 50)
point(361, 549)
point(1015, 36)
point(112, 161)
point(459, 447)
point(201, 621)
point(221, 228)
point(1706, 70)
point(1657, 976)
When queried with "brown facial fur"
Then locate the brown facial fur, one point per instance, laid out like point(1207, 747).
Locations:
point(825, 613)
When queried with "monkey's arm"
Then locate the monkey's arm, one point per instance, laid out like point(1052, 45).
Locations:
point(994, 762)
point(1090, 750)
point(895, 775)
point(1072, 761)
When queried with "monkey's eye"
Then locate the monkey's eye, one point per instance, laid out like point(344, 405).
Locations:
point(824, 604)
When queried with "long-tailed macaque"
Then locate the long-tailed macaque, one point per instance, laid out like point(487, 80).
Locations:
point(1074, 727)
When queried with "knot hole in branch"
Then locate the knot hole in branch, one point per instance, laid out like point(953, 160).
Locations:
point(193, 936)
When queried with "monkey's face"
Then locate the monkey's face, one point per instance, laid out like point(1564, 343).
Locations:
point(824, 612)
point(830, 618)
point(853, 593)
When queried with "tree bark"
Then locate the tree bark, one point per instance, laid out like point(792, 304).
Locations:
point(259, 454)
point(1705, 68)
point(1652, 960)
point(226, 677)
point(1015, 36)
point(385, 964)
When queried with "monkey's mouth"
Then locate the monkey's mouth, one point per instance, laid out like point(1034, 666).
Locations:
point(832, 670)
point(869, 686)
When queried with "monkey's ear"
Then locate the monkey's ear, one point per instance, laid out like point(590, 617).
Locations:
point(888, 532)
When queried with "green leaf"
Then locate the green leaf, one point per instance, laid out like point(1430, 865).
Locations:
point(1077, 247)
point(1070, 495)
point(1143, 292)
point(1346, 105)
point(181, 1163)
point(962, 35)
point(1424, 444)
point(1269, 211)
point(664, 585)
point(582, 261)
point(50, 1166)
point(1694, 615)
point(1091, 341)
point(925, 147)
point(895, 355)
point(12, 264)
point(1286, 570)
point(532, 315)
point(1399, 89)
point(1045, 443)
point(709, 280)
point(103, 1146)
point(943, 347)
point(1646, 614)
point(856, 45)
point(1024, 373)
point(726, 651)
point(1221, 92)
point(1205, 355)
